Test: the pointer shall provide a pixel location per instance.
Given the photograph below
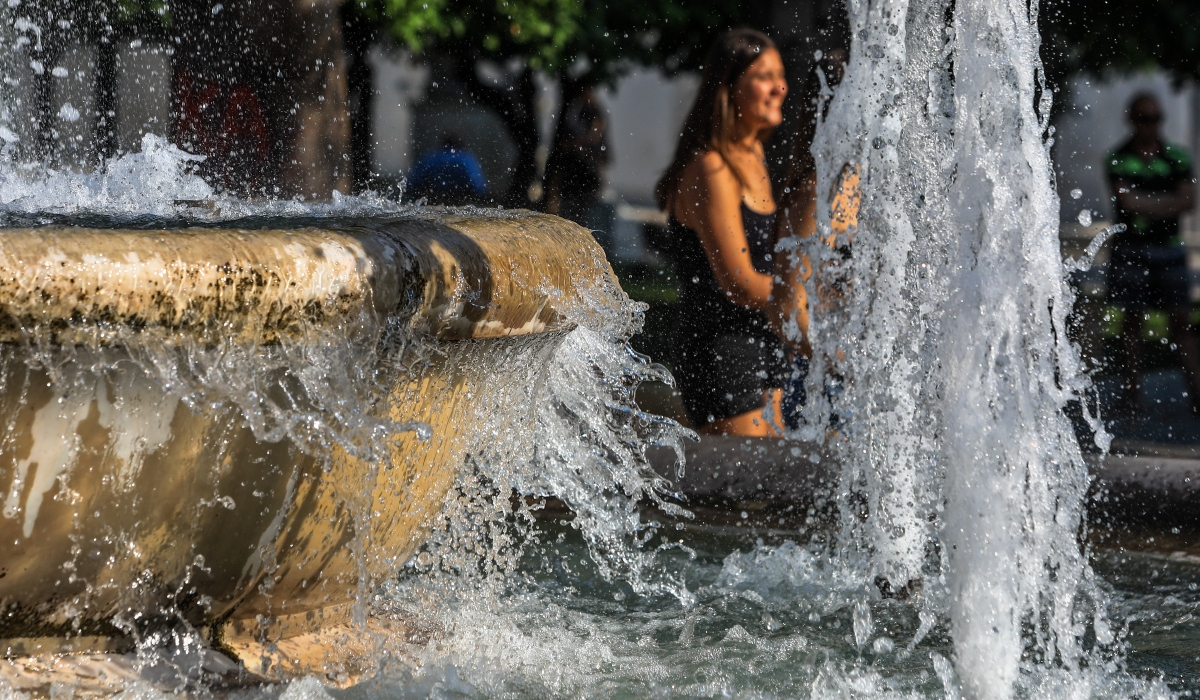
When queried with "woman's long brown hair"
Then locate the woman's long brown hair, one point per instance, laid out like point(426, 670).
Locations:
point(711, 123)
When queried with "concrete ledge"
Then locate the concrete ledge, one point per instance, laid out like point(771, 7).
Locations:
point(735, 469)
point(1158, 483)
point(1140, 483)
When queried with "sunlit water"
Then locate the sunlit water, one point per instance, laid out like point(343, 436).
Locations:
point(954, 303)
point(771, 620)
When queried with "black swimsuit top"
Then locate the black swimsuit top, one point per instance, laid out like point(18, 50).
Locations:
point(704, 305)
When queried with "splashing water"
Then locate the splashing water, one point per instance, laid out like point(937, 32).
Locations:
point(157, 182)
point(963, 479)
point(947, 325)
point(560, 421)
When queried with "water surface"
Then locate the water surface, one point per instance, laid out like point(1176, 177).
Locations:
point(771, 618)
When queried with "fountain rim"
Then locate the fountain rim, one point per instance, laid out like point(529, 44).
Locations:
point(443, 273)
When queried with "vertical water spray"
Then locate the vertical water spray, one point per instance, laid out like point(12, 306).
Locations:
point(946, 330)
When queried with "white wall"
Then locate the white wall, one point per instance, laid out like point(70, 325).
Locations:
point(72, 103)
point(646, 112)
point(143, 94)
point(143, 100)
point(399, 83)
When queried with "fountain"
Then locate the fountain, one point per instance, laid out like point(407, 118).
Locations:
point(253, 440)
point(132, 486)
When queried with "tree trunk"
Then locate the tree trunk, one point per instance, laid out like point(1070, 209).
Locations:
point(260, 90)
point(569, 90)
point(46, 143)
point(105, 135)
point(319, 159)
point(527, 137)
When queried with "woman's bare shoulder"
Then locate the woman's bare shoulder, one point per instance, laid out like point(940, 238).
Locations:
point(709, 168)
point(713, 164)
point(706, 181)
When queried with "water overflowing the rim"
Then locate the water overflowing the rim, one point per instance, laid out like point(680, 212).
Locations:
point(588, 442)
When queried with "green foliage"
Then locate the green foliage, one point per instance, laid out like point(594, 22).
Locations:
point(605, 36)
point(134, 11)
point(539, 30)
point(1100, 36)
point(67, 21)
point(665, 33)
point(412, 23)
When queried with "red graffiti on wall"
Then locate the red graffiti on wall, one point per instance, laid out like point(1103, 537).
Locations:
point(226, 125)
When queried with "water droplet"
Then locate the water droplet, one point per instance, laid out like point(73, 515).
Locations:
point(1076, 193)
point(68, 113)
point(1085, 217)
point(862, 622)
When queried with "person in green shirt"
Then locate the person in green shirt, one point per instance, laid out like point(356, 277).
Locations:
point(1152, 185)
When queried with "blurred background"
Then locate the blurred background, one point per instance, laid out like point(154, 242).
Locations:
point(566, 106)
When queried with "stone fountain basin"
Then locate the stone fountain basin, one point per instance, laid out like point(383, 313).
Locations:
point(776, 483)
point(121, 503)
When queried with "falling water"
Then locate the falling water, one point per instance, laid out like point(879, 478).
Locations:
point(557, 418)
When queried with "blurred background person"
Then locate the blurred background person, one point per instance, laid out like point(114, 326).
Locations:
point(451, 175)
point(575, 168)
point(729, 363)
point(1151, 184)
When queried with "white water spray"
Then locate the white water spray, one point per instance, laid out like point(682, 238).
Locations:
point(948, 327)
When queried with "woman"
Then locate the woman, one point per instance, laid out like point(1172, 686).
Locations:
point(717, 194)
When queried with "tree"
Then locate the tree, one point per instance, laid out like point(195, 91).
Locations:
point(577, 42)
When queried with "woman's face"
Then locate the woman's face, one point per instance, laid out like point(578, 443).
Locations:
point(758, 95)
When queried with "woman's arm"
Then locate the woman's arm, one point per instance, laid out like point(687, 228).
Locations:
point(1162, 206)
point(710, 203)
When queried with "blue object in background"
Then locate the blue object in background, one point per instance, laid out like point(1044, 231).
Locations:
point(450, 175)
